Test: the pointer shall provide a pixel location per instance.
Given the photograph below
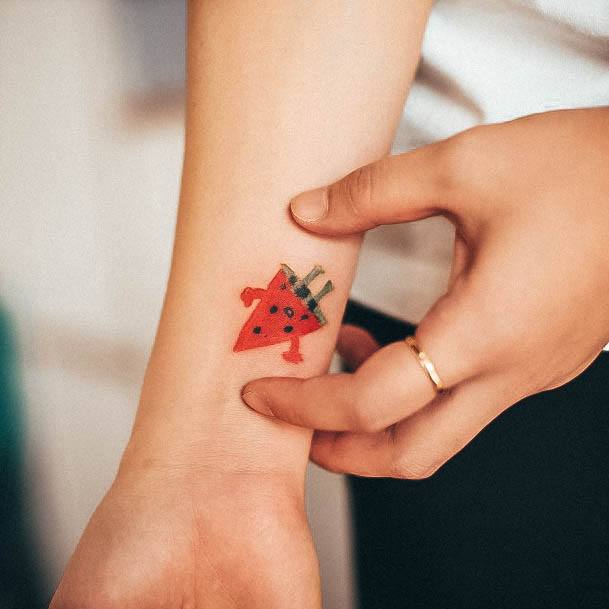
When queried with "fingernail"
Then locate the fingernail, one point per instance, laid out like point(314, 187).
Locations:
point(310, 206)
point(255, 402)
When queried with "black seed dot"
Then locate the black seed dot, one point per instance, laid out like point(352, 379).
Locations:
point(292, 279)
point(273, 309)
point(288, 328)
point(283, 286)
point(302, 292)
point(288, 311)
point(256, 330)
point(305, 316)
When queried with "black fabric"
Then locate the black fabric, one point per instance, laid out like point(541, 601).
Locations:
point(519, 519)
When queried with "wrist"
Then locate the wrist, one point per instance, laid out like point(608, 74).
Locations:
point(210, 439)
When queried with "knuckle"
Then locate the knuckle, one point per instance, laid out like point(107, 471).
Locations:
point(411, 467)
point(328, 464)
point(365, 418)
point(455, 158)
point(356, 191)
point(368, 413)
point(452, 340)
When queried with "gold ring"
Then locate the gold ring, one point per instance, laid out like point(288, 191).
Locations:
point(426, 364)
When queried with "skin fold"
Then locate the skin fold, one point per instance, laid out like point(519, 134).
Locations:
point(526, 308)
point(207, 509)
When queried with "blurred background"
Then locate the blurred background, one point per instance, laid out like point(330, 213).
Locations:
point(91, 130)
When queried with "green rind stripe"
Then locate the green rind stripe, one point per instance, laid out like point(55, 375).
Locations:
point(295, 283)
point(289, 273)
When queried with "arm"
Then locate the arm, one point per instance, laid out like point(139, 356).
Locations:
point(282, 96)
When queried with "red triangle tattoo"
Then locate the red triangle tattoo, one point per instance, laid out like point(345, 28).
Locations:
point(287, 310)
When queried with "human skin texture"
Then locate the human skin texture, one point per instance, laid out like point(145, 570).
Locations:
point(207, 507)
point(526, 308)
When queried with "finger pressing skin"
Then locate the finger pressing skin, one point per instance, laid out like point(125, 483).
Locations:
point(387, 387)
point(322, 402)
point(391, 384)
point(355, 345)
point(419, 445)
point(399, 188)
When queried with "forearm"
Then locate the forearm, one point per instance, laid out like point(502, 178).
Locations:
point(282, 97)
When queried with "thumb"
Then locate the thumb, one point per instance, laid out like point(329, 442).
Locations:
point(399, 188)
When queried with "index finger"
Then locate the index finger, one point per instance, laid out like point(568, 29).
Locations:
point(388, 386)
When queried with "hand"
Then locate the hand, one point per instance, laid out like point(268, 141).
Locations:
point(171, 538)
point(527, 307)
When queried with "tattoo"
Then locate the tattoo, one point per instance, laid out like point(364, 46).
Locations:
point(287, 310)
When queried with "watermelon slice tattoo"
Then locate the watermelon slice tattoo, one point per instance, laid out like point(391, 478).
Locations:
point(287, 310)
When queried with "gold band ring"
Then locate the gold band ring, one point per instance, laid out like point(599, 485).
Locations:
point(426, 364)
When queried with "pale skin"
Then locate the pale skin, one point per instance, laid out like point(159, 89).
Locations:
point(207, 508)
point(526, 309)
